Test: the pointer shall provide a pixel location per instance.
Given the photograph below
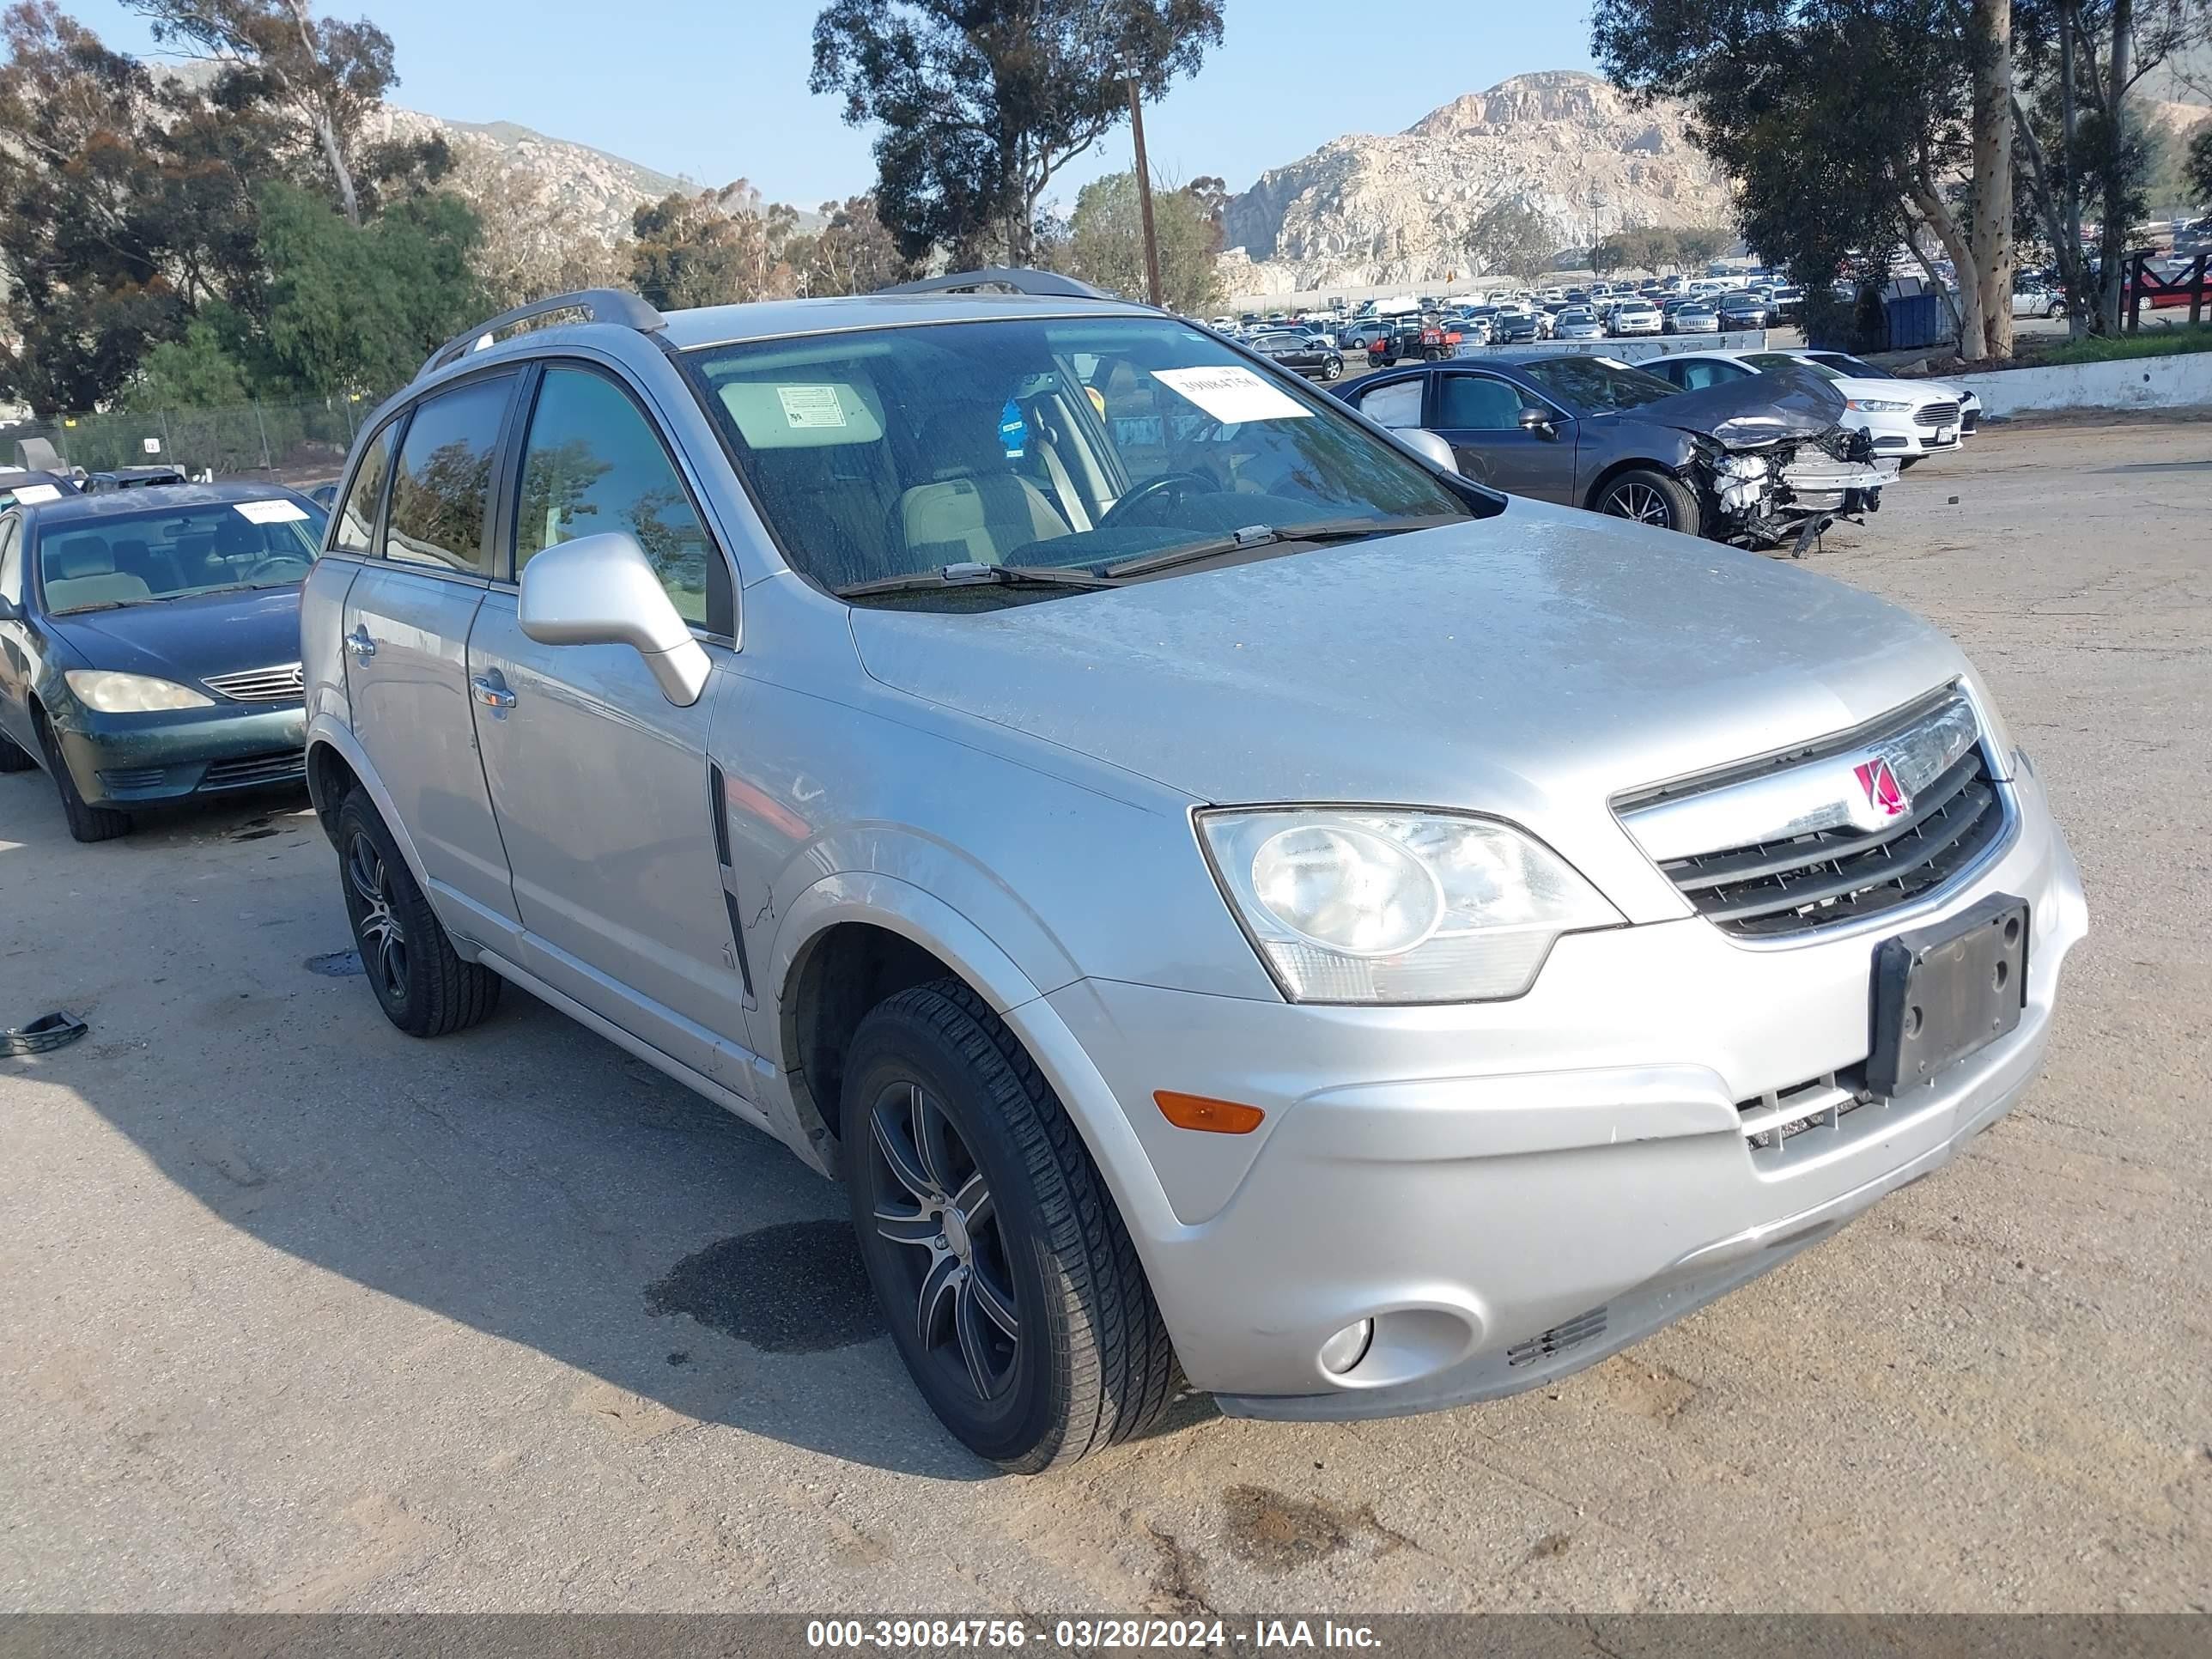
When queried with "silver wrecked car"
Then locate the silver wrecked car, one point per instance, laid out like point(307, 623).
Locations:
point(1240, 906)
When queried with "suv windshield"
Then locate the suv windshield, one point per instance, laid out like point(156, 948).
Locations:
point(1076, 443)
point(1597, 386)
point(171, 553)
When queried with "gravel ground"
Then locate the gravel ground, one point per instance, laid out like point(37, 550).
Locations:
point(301, 1315)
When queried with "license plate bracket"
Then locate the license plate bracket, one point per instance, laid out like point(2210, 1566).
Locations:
point(1943, 991)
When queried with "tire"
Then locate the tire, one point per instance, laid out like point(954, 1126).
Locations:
point(13, 758)
point(86, 822)
point(1332, 371)
point(1649, 496)
point(420, 983)
point(1906, 462)
point(1035, 1246)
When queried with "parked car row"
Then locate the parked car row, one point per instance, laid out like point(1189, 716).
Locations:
point(1457, 981)
point(1764, 449)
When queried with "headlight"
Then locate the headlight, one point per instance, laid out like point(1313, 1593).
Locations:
point(131, 694)
point(1348, 905)
point(1876, 405)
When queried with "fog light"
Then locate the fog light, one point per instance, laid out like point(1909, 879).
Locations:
point(1347, 1347)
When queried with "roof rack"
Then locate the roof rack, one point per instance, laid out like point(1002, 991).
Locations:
point(602, 305)
point(1042, 284)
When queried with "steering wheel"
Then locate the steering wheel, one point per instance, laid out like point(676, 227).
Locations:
point(278, 560)
point(1159, 485)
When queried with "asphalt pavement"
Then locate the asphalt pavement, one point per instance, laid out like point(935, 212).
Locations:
point(300, 1314)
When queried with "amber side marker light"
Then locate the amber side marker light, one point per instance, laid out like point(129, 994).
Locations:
point(1218, 1117)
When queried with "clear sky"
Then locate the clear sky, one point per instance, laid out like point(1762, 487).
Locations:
point(718, 91)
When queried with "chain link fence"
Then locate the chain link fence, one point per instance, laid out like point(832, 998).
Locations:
point(301, 442)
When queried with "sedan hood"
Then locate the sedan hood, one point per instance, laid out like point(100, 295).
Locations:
point(189, 639)
point(1784, 405)
point(1533, 665)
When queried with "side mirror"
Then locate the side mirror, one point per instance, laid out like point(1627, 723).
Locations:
point(602, 590)
point(1429, 446)
point(1539, 422)
point(8, 612)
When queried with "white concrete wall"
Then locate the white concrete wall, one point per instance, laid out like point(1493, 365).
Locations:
point(2176, 382)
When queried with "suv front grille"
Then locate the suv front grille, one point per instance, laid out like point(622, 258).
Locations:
point(281, 683)
point(1937, 415)
point(1839, 875)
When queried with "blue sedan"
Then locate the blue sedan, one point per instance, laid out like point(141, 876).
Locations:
point(149, 644)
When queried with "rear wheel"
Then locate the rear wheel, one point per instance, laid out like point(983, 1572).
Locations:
point(1650, 497)
point(86, 822)
point(419, 981)
point(1009, 1284)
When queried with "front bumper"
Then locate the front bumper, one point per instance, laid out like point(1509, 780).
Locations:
point(141, 760)
point(1514, 1190)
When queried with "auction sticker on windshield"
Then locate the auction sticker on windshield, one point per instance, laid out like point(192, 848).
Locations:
point(270, 512)
point(32, 494)
point(1231, 394)
point(811, 405)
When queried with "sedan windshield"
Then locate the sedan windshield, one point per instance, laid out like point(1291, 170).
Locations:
point(1598, 385)
point(1076, 443)
point(139, 558)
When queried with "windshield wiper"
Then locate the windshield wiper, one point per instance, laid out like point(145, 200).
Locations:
point(966, 575)
point(1265, 535)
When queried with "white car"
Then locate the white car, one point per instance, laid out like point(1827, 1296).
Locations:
point(1907, 419)
point(2038, 302)
point(1633, 317)
point(1970, 406)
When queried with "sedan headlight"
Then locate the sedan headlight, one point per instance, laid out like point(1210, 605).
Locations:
point(131, 694)
point(1876, 405)
point(1374, 905)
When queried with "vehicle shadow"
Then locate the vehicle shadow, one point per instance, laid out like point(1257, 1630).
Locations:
point(527, 1179)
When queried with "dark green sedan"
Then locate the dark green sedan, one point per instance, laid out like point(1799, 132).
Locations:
point(149, 644)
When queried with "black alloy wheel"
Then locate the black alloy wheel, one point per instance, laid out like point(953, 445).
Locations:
point(1011, 1285)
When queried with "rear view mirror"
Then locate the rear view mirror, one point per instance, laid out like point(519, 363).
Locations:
point(1429, 446)
point(602, 590)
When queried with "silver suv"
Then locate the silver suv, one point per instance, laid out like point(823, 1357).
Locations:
point(1233, 900)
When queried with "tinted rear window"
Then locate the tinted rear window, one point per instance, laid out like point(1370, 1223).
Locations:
point(442, 489)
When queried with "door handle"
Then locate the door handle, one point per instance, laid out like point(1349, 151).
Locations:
point(491, 693)
point(359, 643)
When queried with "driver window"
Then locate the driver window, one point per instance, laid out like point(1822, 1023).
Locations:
point(1396, 405)
point(1475, 402)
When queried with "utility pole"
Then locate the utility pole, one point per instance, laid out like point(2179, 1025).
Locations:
point(1145, 192)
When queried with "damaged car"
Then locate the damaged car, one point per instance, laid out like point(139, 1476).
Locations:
point(1764, 464)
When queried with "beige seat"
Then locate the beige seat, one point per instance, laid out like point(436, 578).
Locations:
point(981, 519)
point(82, 571)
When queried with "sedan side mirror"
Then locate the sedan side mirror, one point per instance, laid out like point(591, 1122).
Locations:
point(602, 590)
point(1429, 446)
point(1539, 421)
point(8, 612)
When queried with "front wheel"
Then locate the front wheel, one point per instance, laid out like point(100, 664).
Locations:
point(1009, 1284)
point(420, 980)
point(1332, 371)
point(1650, 497)
point(86, 822)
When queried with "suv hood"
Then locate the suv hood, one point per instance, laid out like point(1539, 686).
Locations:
point(190, 638)
point(1532, 665)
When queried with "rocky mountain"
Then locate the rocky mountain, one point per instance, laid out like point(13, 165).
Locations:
point(1366, 209)
point(591, 186)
